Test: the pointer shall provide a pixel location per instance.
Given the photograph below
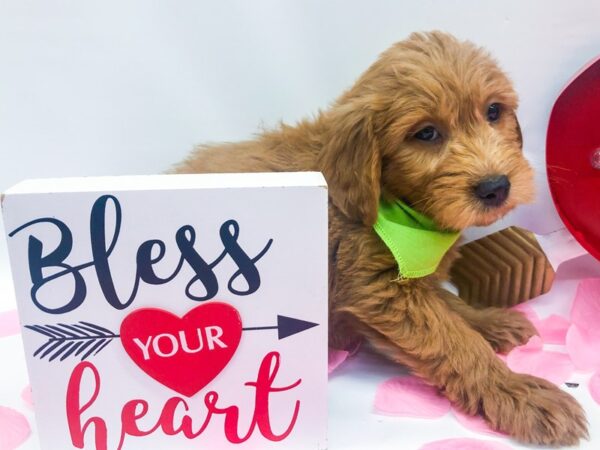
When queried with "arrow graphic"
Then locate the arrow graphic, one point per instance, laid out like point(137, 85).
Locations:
point(286, 326)
point(87, 339)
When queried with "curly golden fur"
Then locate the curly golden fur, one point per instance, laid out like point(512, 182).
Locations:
point(370, 144)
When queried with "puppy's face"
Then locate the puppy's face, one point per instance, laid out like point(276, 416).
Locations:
point(453, 148)
point(443, 117)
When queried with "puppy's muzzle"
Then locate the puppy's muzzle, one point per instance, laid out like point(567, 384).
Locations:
point(493, 191)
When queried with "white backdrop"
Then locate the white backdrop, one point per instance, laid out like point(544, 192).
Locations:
point(128, 87)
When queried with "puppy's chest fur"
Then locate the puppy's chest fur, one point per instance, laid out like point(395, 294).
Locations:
point(355, 250)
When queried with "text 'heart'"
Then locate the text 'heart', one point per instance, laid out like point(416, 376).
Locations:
point(187, 353)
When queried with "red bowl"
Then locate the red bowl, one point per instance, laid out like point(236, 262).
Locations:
point(573, 157)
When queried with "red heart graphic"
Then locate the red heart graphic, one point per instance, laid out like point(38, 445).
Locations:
point(187, 353)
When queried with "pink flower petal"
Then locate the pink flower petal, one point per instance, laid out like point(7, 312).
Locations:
point(595, 387)
point(14, 428)
point(9, 323)
point(583, 347)
point(475, 423)
point(410, 397)
point(583, 336)
point(585, 312)
point(465, 444)
point(532, 359)
point(528, 311)
point(26, 396)
point(553, 329)
point(534, 344)
point(336, 357)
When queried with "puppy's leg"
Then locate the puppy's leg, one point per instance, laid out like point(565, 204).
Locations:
point(502, 328)
point(420, 331)
point(411, 323)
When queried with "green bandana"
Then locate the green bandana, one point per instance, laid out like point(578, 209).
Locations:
point(417, 244)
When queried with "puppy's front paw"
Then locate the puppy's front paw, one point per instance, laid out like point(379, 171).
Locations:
point(535, 411)
point(505, 329)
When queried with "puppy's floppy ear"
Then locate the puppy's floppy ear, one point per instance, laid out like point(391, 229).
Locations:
point(518, 131)
point(351, 161)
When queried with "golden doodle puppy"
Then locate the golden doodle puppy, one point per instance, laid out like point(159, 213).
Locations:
point(431, 124)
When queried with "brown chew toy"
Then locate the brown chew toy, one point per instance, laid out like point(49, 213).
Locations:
point(503, 269)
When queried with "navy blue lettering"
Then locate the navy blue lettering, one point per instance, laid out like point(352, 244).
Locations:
point(104, 240)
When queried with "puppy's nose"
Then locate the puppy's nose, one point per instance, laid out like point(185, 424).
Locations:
point(493, 191)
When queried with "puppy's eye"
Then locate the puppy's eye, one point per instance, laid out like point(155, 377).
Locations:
point(493, 112)
point(428, 134)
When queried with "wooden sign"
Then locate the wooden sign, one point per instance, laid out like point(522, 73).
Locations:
point(174, 311)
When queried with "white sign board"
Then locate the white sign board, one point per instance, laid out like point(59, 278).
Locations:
point(174, 311)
